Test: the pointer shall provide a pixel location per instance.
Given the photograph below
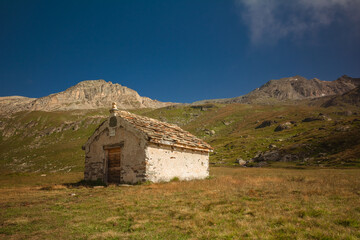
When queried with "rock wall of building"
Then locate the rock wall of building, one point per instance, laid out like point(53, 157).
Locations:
point(132, 154)
point(164, 163)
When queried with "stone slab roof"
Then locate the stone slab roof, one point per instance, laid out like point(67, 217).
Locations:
point(164, 133)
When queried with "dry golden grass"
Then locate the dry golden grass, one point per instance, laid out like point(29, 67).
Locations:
point(233, 204)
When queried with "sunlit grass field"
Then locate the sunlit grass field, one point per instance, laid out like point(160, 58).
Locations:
point(234, 203)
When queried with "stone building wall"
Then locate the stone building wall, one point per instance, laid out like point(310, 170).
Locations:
point(132, 154)
point(163, 163)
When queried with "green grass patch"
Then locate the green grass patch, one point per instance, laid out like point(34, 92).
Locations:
point(236, 203)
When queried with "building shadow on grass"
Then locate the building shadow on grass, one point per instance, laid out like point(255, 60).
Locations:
point(87, 184)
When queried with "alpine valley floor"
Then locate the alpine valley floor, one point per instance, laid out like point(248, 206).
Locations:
point(234, 203)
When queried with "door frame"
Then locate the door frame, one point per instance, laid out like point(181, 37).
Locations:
point(106, 149)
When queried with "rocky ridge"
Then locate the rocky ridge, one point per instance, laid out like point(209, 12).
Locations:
point(352, 98)
point(90, 94)
point(14, 102)
point(293, 88)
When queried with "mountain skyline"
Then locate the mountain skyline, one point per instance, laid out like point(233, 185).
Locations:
point(179, 51)
point(100, 94)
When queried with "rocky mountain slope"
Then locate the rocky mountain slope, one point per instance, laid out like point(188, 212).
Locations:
point(349, 98)
point(91, 94)
point(13, 102)
point(294, 88)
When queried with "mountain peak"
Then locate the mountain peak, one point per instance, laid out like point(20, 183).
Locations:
point(92, 82)
point(89, 94)
point(298, 87)
point(293, 88)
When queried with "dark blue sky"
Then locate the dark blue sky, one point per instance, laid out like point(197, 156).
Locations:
point(179, 51)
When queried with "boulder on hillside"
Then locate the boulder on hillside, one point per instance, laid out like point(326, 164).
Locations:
point(343, 128)
point(289, 158)
point(266, 123)
point(272, 156)
point(272, 146)
point(320, 117)
point(283, 126)
point(241, 162)
point(210, 132)
point(227, 123)
point(267, 156)
point(324, 117)
point(311, 119)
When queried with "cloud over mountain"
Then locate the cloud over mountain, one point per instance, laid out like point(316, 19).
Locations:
point(272, 20)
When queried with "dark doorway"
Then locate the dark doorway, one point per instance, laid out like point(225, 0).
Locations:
point(114, 165)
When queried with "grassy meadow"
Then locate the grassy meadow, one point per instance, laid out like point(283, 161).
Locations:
point(234, 203)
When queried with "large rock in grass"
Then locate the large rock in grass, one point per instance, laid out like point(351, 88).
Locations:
point(283, 126)
point(241, 162)
point(267, 156)
point(311, 119)
point(210, 132)
point(320, 117)
point(274, 156)
point(266, 123)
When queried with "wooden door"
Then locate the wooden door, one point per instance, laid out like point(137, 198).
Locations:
point(114, 165)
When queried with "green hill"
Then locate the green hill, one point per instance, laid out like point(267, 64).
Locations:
point(51, 141)
point(46, 141)
point(330, 137)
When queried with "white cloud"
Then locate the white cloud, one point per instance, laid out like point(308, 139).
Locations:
point(271, 20)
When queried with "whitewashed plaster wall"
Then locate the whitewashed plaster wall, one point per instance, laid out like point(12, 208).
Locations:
point(164, 163)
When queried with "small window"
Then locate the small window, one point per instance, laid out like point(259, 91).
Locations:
point(113, 122)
